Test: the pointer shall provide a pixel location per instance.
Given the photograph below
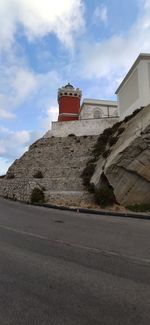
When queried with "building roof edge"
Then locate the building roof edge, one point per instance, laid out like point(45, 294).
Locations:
point(142, 56)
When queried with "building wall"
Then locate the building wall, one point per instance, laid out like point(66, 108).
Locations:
point(80, 127)
point(67, 117)
point(129, 94)
point(135, 92)
point(68, 105)
point(98, 109)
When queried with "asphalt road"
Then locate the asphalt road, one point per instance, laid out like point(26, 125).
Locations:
point(64, 268)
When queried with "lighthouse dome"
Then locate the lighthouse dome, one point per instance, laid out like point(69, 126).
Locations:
point(69, 86)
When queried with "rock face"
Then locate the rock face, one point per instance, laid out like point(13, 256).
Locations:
point(128, 166)
point(53, 165)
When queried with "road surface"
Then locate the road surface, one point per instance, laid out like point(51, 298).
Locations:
point(65, 268)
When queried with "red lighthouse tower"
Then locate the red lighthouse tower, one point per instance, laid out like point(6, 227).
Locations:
point(69, 103)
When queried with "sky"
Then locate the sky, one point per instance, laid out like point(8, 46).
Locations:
point(44, 44)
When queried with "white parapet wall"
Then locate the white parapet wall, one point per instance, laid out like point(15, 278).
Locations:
point(80, 127)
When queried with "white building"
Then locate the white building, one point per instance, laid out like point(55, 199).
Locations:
point(97, 115)
point(94, 109)
point(134, 91)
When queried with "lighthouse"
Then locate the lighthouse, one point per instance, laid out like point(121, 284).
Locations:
point(69, 103)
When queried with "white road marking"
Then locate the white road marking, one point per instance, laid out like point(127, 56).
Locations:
point(91, 249)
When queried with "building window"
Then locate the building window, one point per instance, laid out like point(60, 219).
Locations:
point(70, 94)
point(98, 113)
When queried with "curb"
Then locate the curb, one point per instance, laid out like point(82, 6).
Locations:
point(96, 212)
point(89, 211)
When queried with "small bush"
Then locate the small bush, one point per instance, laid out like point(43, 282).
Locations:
point(112, 141)
point(71, 135)
point(120, 130)
point(2, 176)
point(108, 132)
point(106, 153)
point(87, 174)
point(129, 117)
point(91, 188)
point(115, 127)
point(142, 207)
point(37, 196)
point(38, 174)
point(103, 138)
point(105, 196)
point(100, 146)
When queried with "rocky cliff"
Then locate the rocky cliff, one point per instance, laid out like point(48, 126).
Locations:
point(127, 167)
point(53, 165)
point(120, 158)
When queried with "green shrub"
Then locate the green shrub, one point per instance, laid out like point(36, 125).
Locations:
point(112, 141)
point(105, 196)
point(129, 117)
point(107, 132)
point(37, 196)
point(106, 153)
point(120, 130)
point(38, 174)
point(141, 207)
point(115, 127)
point(87, 174)
point(71, 135)
point(100, 146)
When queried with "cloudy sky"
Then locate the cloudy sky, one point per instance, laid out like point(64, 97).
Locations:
point(45, 44)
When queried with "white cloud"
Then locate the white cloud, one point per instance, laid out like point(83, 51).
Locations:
point(111, 58)
point(100, 15)
point(14, 144)
point(5, 115)
point(4, 165)
point(24, 82)
point(38, 18)
point(17, 83)
point(51, 115)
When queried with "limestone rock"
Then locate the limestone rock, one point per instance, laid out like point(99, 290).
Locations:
point(60, 162)
point(55, 165)
point(128, 167)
